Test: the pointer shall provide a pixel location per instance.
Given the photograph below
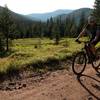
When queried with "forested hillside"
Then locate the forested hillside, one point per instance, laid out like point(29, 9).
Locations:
point(76, 14)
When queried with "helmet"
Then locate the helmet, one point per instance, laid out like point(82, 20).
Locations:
point(91, 19)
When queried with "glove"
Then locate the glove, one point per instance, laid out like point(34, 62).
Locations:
point(77, 41)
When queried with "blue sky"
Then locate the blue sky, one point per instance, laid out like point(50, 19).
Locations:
point(42, 6)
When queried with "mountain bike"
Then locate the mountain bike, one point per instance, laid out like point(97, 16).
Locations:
point(85, 55)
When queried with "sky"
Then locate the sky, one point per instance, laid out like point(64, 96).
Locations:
point(43, 6)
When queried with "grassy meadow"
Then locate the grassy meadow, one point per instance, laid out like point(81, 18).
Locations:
point(32, 50)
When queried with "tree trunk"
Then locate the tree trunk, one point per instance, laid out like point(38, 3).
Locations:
point(7, 43)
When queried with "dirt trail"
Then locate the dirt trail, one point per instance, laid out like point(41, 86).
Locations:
point(59, 85)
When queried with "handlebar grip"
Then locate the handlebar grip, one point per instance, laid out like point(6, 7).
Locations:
point(77, 41)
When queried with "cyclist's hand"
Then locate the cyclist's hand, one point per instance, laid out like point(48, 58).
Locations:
point(77, 41)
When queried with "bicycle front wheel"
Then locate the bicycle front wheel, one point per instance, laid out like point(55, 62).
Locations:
point(79, 63)
point(96, 61)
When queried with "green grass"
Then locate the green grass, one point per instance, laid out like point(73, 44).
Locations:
point(25, 53)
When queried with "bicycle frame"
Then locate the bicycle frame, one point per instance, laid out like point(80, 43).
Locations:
point(87, 51)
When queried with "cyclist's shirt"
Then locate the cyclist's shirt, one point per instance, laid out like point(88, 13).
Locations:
point(93, 31)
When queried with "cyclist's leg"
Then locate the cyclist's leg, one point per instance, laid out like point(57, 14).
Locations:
point(89, 52)
point(92, 46)
point(93, 49)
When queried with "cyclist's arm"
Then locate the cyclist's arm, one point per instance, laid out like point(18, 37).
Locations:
point(81, 34)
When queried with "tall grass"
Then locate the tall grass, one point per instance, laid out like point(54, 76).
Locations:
point(25, 53)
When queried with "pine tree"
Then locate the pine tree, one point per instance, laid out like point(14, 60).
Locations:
point(96, 11)
point(81, 23)
point(5, 24)
point(56, 33)
point(50, 27)
point(1, 42)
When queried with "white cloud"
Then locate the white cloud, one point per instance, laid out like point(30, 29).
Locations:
point(33, 6)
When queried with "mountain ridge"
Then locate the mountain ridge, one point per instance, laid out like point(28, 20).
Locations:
point(63, 13)
point(48, 15)
point(16, 16)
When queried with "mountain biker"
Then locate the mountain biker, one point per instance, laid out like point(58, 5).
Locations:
point(94, 30)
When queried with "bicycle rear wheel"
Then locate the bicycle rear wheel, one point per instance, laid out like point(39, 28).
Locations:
point(96, 61)
point(79, 63)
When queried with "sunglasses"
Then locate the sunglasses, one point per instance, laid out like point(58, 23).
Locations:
point(91, 21)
